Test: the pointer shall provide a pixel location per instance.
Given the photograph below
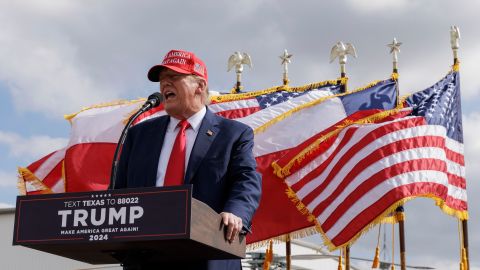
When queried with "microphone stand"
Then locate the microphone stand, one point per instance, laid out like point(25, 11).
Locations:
point(113, 174)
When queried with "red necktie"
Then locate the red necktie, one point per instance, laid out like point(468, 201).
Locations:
point(176, 165)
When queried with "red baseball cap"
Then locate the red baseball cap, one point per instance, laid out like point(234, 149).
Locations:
point(182, 62)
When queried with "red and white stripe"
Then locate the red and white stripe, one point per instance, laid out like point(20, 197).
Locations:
point(235, 109)
point(366, 169)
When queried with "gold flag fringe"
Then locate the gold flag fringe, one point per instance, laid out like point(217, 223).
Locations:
point(394, 76)
point(250, 94)
point(130, 114)
point(389, 219)
point(456, 66)
point(394, 218)
point(283, 172)
point(283, 238)
point(21, 185)
point(29, 177)
point(400, 216)
point(311, 218)
point(234, 89)
point(69, 117)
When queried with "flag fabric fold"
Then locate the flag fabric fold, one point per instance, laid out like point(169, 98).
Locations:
point(350, 176)
point(43, 176)
point(277, 216)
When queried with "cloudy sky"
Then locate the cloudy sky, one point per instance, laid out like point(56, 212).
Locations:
point(57, 56)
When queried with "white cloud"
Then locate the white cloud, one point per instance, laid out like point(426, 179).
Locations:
point(8, 179)
point(54, 8)
point(40, 59)
point(69, 54)
point(30, 147)
point(471, 130)
point(469, 56)
point(379, 5)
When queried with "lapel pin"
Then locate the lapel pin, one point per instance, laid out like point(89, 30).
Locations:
point(209, 133)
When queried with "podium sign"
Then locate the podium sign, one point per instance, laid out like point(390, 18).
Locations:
point(109, 226)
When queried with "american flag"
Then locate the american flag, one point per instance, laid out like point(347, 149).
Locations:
point(350, 176)
point(440, 105)
point(241, 105)
point(281, 119)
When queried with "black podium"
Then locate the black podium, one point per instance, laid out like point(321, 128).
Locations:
point(117, 226)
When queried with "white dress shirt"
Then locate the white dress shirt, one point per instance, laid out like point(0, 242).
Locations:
point(170, 136)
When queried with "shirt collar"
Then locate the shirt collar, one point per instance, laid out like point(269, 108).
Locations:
point(194, 120)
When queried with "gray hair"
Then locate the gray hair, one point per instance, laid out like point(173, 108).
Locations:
point(206, 94)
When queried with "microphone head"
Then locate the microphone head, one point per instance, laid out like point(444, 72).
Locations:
point(155, 99)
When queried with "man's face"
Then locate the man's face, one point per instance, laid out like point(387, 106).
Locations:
point(182, 93)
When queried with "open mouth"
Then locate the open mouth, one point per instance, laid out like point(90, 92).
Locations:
point(168, 95)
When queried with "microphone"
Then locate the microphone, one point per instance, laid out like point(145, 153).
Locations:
point(153, 101)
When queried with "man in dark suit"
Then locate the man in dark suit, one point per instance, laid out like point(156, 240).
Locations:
point(191, 145)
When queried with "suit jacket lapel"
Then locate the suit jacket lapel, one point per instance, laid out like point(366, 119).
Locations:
point(155, 138)
point(206, 135)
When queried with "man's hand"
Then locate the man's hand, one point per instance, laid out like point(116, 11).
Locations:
point(233, 224)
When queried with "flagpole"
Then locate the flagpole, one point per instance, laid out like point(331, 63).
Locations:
point(465, 241)
point(455, 44)
point(238, 85)
point(394, 50)
point(400, 217)
point(399, 212)
point(285, 57)
point(238, 60)
point(343, 76)
point(347, 257)
point(288, 246)
point(342, 50)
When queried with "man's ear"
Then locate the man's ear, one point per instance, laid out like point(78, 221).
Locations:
point(202, 86)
